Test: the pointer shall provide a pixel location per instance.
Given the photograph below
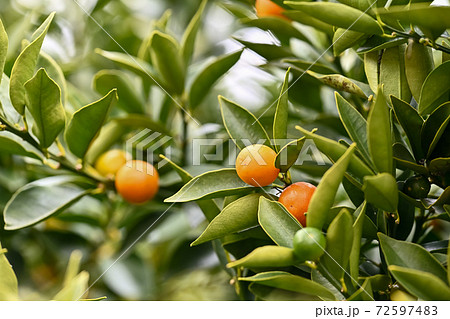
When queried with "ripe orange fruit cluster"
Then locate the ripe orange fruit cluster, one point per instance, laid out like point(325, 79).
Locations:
point(136, 181)
point(266, 8)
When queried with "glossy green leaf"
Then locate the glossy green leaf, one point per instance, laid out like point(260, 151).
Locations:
point(55, 72)
point(289, 154)
point(434, 127)
point(220, 183)
point(283, 30)
point(42, 199)
point(376, 43)
point(418, 64)
point(23, 68)
point(335, 150)
point(280, 121)
point(241, 125)
point(410, 255)
point(165, 48)
point(287, 281)
point(3, 48)
point(405, 160)
point(381, 190)
point(135, 65)
point(12, 144)
point(277, 222)
point(411, 122)
point(268, 51)
point(342, 83)
point(43, 98)
point(379, 134)
point(306, 19)
point(266, 257)
point(190, 35)
point(422, 284)
point(237, 216)
point(392, 73)
point(435, 89)
point(439, 165)
point(316, 276)
point(205, 80)
point(448, 250)
point(432, 20)
point(355, 124)
point(339, 15)
point(358, 227)
point(371, 68)
point(323, 198)
point(344, 39)
point(129, 101)
point(313, 66)
point(339, 245)
point(7, 110)
point(208, 207)
point(86, 123)
point(8, 279)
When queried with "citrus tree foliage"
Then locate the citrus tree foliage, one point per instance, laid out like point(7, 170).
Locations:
point(365, 85)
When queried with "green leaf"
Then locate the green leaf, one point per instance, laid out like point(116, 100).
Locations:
point(355, 124)
point(381, 190)
point(364, 292)
point(43, 97)
point(411, 122)
point(434, 127)
point(73, 267)
point(410, 255)
point(315, 67)
point(306, 19)
point(335, 150)
point(405, 160)
point(418, 64)
point(266, 257)
point(135, 65)
point(237, 216)
point(241, 125)
point(209, 207)
point(12, 144)
point(287, 281)
point(220, 183)
point(435, 89)
point(280, 121)
point(8, 279)
point(55, 72)
point(3, 48)
point(392, 73)
point(106, 80)
point(7, 110)
point(289, 154)
point(344, 39)
point(283, 30)
point(205, 80)
point(422, 284)
point(448, 250)
point(376, 43)
point(371, 69)
point(339, 245)
point(86, 123)
point(323, 198)
point(432, 20)
point(268, 51)
point(75, 290)
point(277, 222)
point(339, 15)
point(379, 134)
point(164, 48)
point(23, 68)
point(341, 83)
point(358, 227)
point(42, 199)
point(190, 35)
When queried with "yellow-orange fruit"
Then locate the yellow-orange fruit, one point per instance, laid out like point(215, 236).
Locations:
point(137, 182)
point(296, 198)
